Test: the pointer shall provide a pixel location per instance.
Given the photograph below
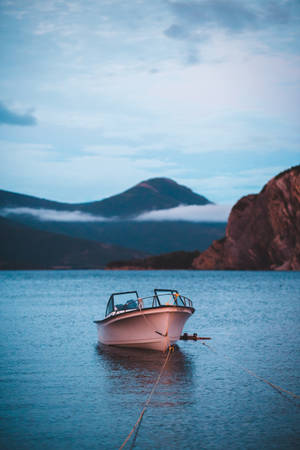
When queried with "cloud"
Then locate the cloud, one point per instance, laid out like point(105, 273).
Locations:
point(272, 22)
point(191, 213)
point(53, 215)
point(227, 14)
point(9, 117)
point(176, 32)
point(229, 187)
point(111, 150)
point(102, 111)
point(96, 175)
point(230, 15)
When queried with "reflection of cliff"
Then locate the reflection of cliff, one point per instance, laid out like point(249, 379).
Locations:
point(263, 230)
point(143, 367)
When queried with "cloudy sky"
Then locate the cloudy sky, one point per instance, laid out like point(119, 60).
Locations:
point(97, 95)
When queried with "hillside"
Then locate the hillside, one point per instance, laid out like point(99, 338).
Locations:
point(263, 233)
point(171, 261)
point(14, 200)
point(146, 237)
point(25, 248)
point(119, 227)
point(149, 195)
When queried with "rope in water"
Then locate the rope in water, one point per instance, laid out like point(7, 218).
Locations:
point(250, 372)
point(137, 423)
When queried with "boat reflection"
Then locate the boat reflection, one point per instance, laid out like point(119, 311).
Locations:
point(145, 366)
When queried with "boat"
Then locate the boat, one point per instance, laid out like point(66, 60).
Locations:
point(154, 322)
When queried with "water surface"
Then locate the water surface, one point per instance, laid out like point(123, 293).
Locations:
point(60, 390)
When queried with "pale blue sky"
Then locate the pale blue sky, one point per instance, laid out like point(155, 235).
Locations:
point(96, 96)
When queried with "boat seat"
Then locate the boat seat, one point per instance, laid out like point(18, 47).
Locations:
point(131, 304)
point(120, 307)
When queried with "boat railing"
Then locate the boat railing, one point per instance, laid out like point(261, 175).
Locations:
point(153, 301)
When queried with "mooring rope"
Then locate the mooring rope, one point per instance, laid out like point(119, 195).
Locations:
point(250, 372)
point(137, 423)
point(153, 328)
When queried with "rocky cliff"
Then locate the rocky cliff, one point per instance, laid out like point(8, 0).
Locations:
point(263, 230)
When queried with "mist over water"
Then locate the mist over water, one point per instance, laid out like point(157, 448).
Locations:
point(60, 390)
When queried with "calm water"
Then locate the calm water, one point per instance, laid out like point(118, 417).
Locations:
point(60, 391)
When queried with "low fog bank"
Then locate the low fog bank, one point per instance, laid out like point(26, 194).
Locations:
point(52, 215)
point(188, 213)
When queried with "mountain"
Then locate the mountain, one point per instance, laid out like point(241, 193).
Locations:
point(25, 248)
point(14, 200)
point(119, 228)
point(263, 231)
point(147, 237)
point(149, 195)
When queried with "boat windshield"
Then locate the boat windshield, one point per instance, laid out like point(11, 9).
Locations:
point(170, 296)
point(125, 301)
point(120, 301)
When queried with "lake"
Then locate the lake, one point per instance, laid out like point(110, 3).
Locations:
point(60, 390)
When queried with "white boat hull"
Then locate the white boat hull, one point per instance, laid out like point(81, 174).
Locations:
point(153, 328)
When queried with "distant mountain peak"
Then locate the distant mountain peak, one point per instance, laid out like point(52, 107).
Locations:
point(153, 183)
point(161, 180)
point(148, 195)
point(146, 185)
